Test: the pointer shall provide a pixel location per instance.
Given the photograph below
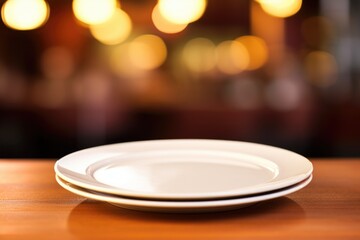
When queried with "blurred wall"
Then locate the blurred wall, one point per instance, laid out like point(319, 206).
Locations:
point(62, 89)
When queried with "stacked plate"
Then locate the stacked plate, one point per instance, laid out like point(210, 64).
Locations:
point(183, 175)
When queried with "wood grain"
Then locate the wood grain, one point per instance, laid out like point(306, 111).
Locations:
point(34, 206)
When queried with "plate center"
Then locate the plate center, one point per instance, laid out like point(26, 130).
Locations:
point(183, 174)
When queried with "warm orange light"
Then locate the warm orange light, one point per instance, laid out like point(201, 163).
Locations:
point(120, 62)
point(25, 14)
point(199, 55)
point(232, 57)
point(257, 49)
point(93, 11)
point(281, 8)
point(164, 25)
point(321, 68)
point(148, 52)
point(113, 31)
point(182, 11)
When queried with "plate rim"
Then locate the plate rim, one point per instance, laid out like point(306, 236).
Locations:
point(181, 206)
point(85, 181)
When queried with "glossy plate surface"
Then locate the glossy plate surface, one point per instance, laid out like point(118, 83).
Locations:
point(182, 206)
point(183, 169)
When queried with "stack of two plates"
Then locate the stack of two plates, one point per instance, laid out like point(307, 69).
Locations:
point(183, 175)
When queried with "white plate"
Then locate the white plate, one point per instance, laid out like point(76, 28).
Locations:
point(182, 206)
point(183, 169)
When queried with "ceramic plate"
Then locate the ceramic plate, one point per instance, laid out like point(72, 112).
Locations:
point(182, 206)
point(183, 169)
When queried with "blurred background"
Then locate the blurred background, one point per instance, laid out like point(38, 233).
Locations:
point(81, 73)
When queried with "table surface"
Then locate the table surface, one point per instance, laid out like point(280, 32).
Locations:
point(34, 206)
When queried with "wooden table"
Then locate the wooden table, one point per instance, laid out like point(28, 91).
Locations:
point(34, 206)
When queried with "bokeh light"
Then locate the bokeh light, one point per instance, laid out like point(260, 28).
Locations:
point(25, 14)
point(281, 8)
point(93, 11)
point(120, 62)
point(182, 12)
point(114, 30)
point(148, 52)
point(164, 25)
point(257, 49)
point(232, 57)
point(321, 68)
point(199, 55)
point(284, 94)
